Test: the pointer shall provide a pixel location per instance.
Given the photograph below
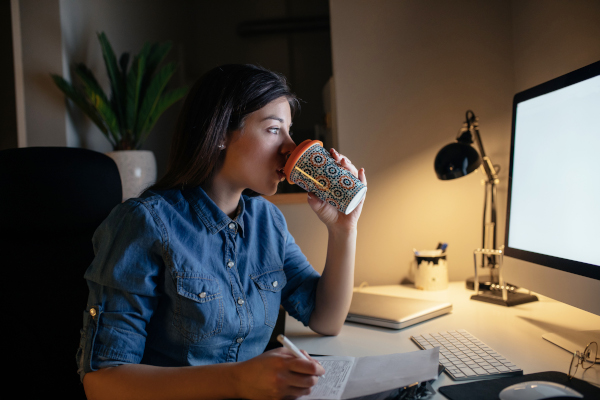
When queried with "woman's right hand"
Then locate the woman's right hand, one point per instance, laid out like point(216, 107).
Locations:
point(278, 374)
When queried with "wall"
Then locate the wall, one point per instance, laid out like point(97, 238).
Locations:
point(128, 25)
point(58, 33)
point(8, 111)
point(554, 39)
point(404, 81)
point(41, 42)
point(405, 73)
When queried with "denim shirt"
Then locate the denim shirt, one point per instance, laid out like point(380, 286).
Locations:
point(176, 282)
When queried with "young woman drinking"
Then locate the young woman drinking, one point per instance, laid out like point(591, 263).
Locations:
point(187, 280)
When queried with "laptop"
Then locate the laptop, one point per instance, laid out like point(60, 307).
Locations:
point(393, 312)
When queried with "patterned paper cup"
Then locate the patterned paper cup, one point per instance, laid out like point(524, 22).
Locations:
point(312, 168)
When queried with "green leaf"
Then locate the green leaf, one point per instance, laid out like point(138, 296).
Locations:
point(157, 54)
point(88, 80)
point(81, 102)
point(146, 49)
point(118, 91)
point(97, 98)
point(123, 62)
point(166, 101)
point(136, 100)
point(106, 113)
point(152, 96)
point(134, 89)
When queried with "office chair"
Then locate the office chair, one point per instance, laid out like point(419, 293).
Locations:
point(52, 199)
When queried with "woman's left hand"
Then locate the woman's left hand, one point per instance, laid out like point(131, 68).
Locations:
point(327, 213)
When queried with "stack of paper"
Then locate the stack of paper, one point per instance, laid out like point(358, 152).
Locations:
point(352, 377)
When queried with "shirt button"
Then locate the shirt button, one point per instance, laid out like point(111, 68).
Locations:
point(232, 226)
point(202, 295)
point(275, 284)
point(240, 340)
point(93, 312)
point(240, 301)
point(230, 264)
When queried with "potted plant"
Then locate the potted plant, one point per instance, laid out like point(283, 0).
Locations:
point(138, 98)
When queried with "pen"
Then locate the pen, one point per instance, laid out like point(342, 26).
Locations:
point(291, 346)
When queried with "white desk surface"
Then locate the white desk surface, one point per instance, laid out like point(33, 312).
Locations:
point(515, 332)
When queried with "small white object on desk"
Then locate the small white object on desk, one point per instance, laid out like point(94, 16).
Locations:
point(430, 270)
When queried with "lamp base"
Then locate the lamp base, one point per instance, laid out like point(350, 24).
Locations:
point(495, 297)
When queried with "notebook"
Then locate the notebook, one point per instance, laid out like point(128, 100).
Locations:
point(393, 312)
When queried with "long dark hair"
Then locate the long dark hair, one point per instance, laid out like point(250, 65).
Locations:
point(217, 105)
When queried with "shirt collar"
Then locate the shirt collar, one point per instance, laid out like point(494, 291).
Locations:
point(210, 214)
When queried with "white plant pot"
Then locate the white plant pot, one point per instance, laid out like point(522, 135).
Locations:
point(137, 169)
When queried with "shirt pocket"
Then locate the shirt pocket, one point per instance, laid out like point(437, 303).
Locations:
point(269, 286)
point(199, 311)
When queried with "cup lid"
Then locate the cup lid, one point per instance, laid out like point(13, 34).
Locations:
point(295, 156)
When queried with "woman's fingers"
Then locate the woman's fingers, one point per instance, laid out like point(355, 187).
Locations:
point(277, 374)
point(320, 370)
point(302, 366)
point(362, 176)
point(344, 162)
point(336, 156)
point(349, 166)
point(309, 357)
point(302, 380)
point(308, 368)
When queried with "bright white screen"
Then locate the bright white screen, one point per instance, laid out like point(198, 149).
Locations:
point(555, 198)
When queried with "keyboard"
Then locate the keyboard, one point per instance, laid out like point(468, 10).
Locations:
point(463, 356)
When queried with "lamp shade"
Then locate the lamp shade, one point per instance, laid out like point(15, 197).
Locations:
point(456, 160)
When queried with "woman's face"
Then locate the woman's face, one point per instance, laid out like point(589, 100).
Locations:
point(257, 153)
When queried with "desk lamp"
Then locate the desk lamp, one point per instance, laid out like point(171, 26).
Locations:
point(459, 159)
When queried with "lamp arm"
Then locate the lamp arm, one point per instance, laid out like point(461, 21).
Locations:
point(488, 167)
point(492, 181)
point(472, 126)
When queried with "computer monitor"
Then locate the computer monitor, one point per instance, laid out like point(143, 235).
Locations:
point(552, 237)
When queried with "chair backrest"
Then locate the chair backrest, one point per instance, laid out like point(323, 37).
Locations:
point(52, 199)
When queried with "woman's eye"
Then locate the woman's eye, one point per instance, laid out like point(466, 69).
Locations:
point(274, 130)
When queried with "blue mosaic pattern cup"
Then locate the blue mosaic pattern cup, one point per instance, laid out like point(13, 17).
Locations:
point(312, 168)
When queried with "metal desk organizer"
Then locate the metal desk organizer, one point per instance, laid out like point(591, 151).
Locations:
point(500, 293)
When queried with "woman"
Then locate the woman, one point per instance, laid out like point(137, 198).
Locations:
point(187, 280)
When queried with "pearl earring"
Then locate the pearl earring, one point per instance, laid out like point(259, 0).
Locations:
point(221, 146)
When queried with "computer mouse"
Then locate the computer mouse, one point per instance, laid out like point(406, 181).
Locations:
point(537, 390)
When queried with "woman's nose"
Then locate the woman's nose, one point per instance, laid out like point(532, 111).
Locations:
point(288, 146)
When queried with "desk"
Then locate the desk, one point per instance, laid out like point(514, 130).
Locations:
point(514, 332)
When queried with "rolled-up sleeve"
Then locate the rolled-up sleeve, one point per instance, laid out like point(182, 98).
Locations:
point(123, 282)
point(299, 294)
point(301, 290)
